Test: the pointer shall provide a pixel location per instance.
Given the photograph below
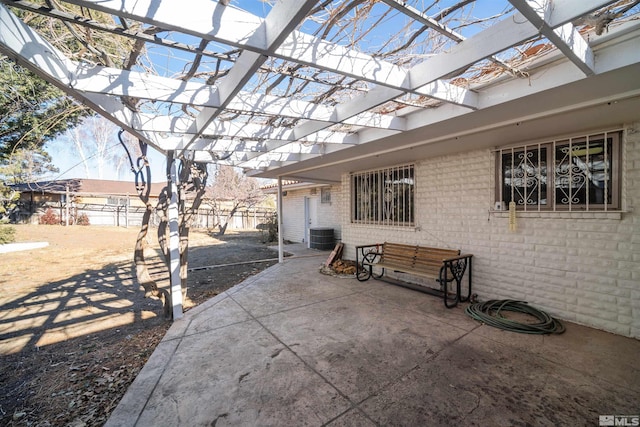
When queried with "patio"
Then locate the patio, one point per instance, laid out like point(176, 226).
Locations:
point(291, 346)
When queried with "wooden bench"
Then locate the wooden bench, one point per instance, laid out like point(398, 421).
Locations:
point(443, 265)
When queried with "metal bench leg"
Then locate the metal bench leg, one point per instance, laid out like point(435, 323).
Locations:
point(365, 271)
point(362, 275)
point(458, 269)
point(444, 282)
point(361, 270)
point(468, 297)
point(446, 298)
point(378, 276)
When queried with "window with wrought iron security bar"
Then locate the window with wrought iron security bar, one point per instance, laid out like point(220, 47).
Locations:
point(579, 173)
point(384, 196)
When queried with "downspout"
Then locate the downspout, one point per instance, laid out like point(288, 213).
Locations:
point(279, 216)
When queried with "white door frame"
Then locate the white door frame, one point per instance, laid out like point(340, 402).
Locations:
point(310, 220)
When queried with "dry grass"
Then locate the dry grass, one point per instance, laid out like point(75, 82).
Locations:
point(75, 328)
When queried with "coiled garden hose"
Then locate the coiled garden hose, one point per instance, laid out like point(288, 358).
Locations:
point(489, 313)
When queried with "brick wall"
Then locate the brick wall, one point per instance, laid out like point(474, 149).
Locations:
point(582, 267)
point(326, 215)
point(329, 214)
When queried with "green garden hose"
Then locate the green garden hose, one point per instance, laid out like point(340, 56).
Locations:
point(489, 313)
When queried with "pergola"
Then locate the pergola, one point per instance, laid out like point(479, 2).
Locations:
point(301, 89)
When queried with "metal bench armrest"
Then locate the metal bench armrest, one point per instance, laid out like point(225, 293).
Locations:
point(366, 253)
point(455, 258)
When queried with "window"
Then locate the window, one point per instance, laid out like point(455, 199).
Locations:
point(578, 173)
point(325, 195)
point(383, 196)
point(117, 201)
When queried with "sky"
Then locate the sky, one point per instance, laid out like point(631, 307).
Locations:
point(70, 164)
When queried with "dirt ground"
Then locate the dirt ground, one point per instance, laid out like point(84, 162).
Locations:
point(75, 328)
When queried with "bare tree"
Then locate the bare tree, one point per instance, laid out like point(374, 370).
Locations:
point(230, 192)
point(96, 142)
point(192, 179)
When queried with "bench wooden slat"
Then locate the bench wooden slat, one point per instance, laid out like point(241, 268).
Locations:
point(400, 249)
point(423, 261)
point(436, 252)
point(447, 266)
point(425, 272)
point(402, 255)
point(433, 273)
point(428, 261)
point(396, 255)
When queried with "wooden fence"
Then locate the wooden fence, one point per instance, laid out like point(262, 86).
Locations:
point(131, 216)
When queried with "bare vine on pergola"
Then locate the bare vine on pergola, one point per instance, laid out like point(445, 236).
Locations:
point(98, 38)
point(427, 28)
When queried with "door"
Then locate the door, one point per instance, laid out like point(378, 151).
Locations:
point(310, 220)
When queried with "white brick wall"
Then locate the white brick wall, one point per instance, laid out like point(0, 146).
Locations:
point(582, 267)
point(329, 214)
point(326, 215)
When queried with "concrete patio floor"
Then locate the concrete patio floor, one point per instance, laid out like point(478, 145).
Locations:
point(293, 347)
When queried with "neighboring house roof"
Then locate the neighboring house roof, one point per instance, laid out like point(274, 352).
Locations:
point(86, 186)
point(273, 186)
point(291, 185)
point(285, 182)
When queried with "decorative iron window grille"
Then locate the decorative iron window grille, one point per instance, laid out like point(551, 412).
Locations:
point(578, 173)
point(383, 197)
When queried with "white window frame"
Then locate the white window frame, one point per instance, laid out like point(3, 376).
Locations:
point(118, 201)
point(577, 173)
point(325, 195)
point(384, 196)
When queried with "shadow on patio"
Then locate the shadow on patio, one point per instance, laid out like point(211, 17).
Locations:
point(291, 346)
